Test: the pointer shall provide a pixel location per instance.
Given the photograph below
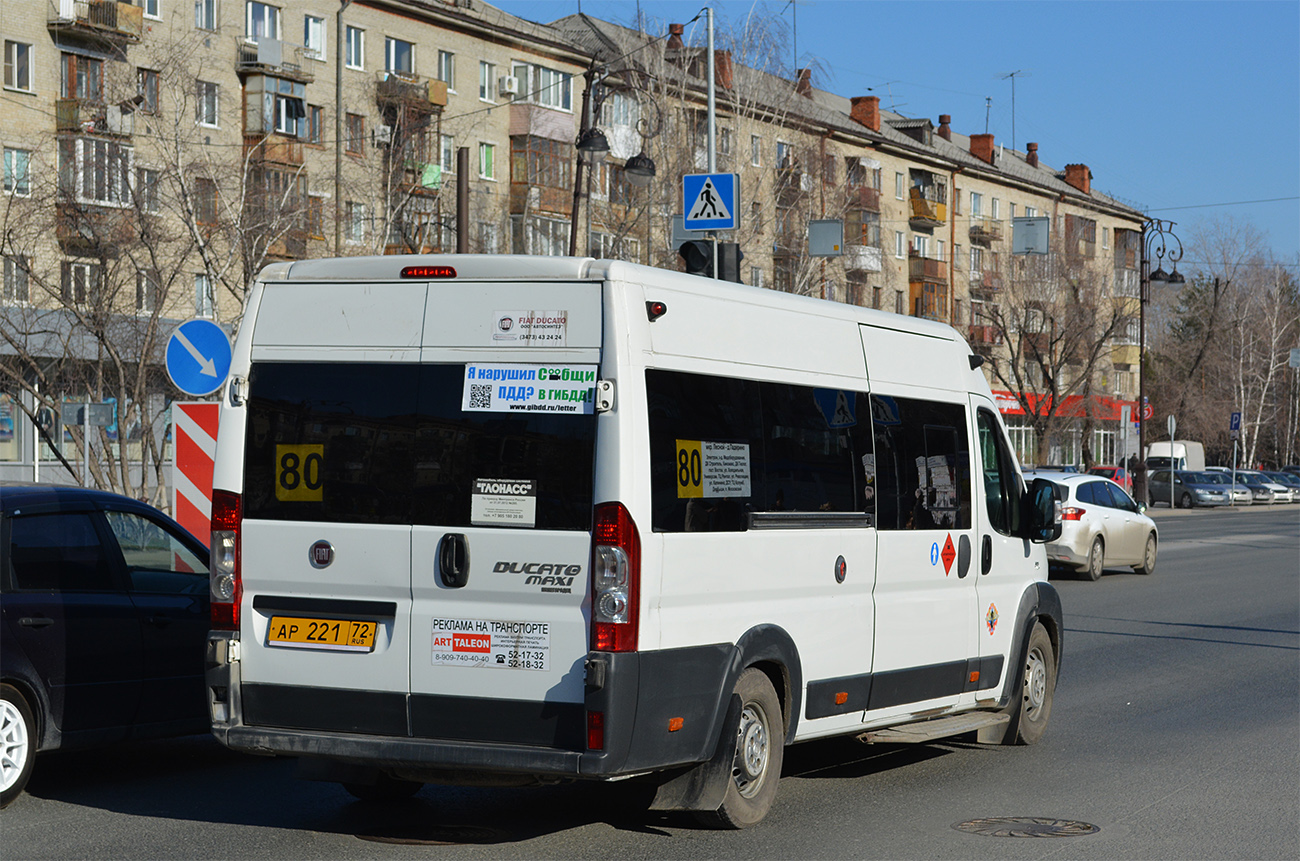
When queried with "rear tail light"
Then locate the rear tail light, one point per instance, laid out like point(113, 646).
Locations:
point(615, 580)
point(595, 730)
point(1071, 512)
point(226, 588)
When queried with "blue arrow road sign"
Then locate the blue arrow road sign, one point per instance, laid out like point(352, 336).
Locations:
point(710, 201)
point(198, 357)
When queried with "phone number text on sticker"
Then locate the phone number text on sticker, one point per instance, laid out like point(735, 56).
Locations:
point(491, 643)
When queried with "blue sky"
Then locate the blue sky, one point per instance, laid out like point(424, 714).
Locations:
point(1175, 106)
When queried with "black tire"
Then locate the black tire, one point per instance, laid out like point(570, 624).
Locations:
point(1185, 501)
point(1036, 690)
point(759, 753)
point(17, 744)
point(1148, 565)
point(384, 788)
point(1096, 560)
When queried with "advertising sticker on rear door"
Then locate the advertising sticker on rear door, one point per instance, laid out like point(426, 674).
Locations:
point(499, 387)
point(493, 644)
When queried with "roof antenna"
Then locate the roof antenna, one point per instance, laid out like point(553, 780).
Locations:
point(1024, 73)
point(988, 106)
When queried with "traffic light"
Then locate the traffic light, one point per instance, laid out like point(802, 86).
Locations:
point(698, 254)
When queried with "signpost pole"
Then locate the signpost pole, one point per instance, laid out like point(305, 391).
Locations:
point(1173, 475)
point(85, 443)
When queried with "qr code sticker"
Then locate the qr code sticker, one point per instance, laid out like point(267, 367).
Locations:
point(480, 397)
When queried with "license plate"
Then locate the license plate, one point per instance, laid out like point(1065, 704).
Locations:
point(344, 635)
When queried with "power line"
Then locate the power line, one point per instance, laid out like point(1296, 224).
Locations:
point(1229, 203)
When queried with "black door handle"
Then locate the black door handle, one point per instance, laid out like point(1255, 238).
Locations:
point(36, 621)
point(453, 560)
point(986, 555)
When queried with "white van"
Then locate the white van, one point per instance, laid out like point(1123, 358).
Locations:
point(496, 519)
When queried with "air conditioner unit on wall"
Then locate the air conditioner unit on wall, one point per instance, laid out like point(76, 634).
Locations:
point(508, 85)
point(383, 135)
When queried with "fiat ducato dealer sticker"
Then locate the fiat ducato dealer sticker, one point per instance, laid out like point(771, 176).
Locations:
point(493, 644)
point(530, 328)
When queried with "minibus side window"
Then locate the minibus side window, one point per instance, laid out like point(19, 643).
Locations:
point(1001, 490)
point(922, 464)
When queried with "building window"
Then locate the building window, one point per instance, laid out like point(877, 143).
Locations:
point(206, 103)
point(1105, 237)
point(399, 56)
point(203, 297)
point(976, 262)
point(356, 134)
point(313, 36)
point(900, 245)
point(724, 141)
point(146, 189)
point(487, 83)
point(900, 187)
point(876, 297)
point(447, 152)
point(486, 161)
point(83, 78)
point(18, 172)
point(146, 292)
point(447, 69)
point(940, 249)
point(96, 171)
point(261, 20)
point(976, 204)
point(1012, 213)
point(994, 207)
point(152, 8)
point(79, 283)
point(755, 151)
point(205, 201)
point(316, 216)
point(205, 14)
point(784, 155)
point(17, 284)
point(541, 162)
point(756, 276)
point(547, 87)
point(146, 88)
point(1030, 212)
point(356, 48)
point(899, 305)
point(354, 221)
point(315, 124)
point(18, 65)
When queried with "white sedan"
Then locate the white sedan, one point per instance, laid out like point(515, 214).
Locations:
point(1101, 527)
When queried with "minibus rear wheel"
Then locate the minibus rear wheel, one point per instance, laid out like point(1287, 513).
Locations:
point(759, 752)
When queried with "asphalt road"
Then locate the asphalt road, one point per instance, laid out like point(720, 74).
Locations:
point(1175, 731)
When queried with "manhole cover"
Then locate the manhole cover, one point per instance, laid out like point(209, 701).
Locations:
point(437, 836)
point(1026, 826)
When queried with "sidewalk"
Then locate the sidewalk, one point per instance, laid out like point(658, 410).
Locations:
point(1161, 512)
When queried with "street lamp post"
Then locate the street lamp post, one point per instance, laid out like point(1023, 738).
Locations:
point(1157, 237)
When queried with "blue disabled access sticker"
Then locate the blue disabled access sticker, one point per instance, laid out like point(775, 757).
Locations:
point(198, 357)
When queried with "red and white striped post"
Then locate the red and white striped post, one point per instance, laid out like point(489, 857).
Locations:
point(193, 450)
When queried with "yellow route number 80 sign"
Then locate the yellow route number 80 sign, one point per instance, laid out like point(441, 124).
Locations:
point(298, 472)
point(690, 469)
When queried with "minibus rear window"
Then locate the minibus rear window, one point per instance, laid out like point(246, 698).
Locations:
point(389, 443)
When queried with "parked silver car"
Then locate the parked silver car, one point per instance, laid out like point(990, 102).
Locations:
point(1263, 487)
point(1101, 527)
point(1241, 494)
point(1190, 489)
point(1288, 480)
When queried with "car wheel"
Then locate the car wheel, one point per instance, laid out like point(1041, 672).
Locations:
point(760, 750)
point(1148, 565)
point(17, 744)
point(1185, 501)
point(1096, 559)
point(1033, 706)
point(384, 788)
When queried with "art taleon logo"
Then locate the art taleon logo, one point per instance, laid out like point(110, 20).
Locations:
point(547, 576)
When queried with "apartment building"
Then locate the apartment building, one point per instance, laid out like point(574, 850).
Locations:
point(157, 155)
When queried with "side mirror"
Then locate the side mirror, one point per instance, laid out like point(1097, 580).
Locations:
point(1141, 508)
point(1041, 512)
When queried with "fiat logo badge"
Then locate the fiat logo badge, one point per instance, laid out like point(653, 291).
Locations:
point(321, 554)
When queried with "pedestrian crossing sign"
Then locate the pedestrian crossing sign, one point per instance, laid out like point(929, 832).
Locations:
point(710, 201)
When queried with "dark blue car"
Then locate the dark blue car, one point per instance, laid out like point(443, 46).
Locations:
point(105, 619)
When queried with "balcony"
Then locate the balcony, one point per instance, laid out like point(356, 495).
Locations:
point(263, 56)
point(927, 270)
point(863, 258)
point(401, 90)
point(540, 199)
point(983, 336)
point(984, 231)
point(863, 197)
point(274, 149)
point(926, 214)
point(84, 117)
point(1125, 354)
point(87, 228)
point(791, 185)
point(120, 23)
point(985, 284)
point(930, 302)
